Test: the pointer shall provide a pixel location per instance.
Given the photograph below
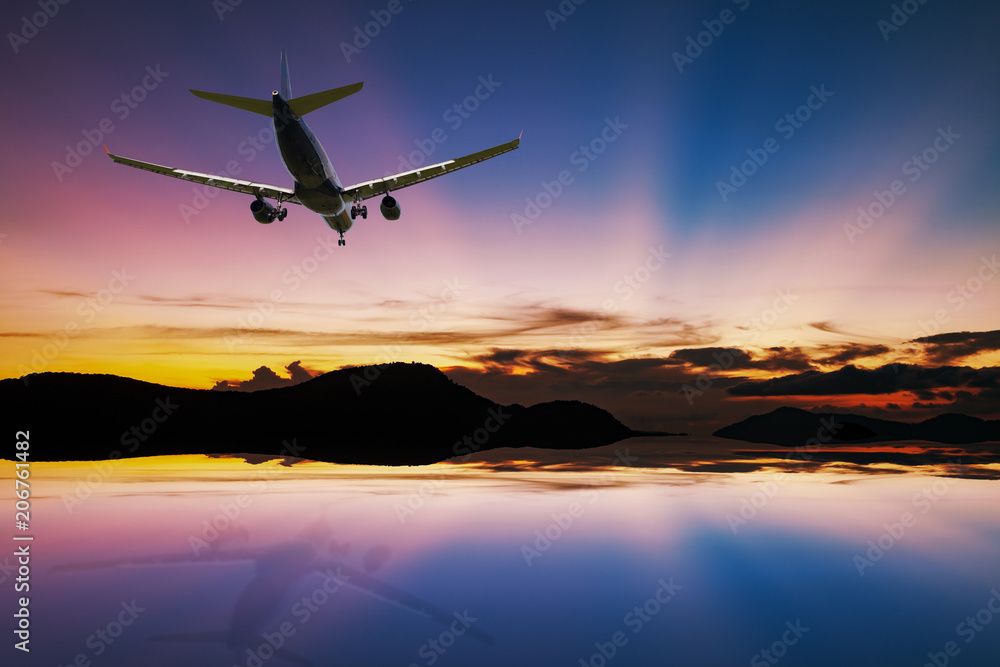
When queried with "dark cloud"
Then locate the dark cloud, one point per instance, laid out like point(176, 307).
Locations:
point(884, 380)
point(838, 355)
point(729, 358)
point(507, 360)
point(781, 358)
point(947, 348)
point(722, 357)
point(265, 378)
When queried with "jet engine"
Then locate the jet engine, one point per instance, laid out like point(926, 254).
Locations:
point(390, 208)
point(263, 212)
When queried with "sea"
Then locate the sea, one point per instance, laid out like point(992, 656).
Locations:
point(651, 551)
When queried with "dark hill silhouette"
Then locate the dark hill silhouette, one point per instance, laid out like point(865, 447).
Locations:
point(792, 427)
point(391, 414)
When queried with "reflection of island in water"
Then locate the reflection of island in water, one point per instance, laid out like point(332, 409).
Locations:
point(265, 615)
point(547, 556)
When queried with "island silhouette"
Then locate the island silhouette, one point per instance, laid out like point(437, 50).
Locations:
point(793, 427)
point(391, 414)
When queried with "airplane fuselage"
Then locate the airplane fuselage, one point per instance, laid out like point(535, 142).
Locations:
point(316, 183)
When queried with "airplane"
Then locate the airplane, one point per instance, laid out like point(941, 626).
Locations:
point(316, 185)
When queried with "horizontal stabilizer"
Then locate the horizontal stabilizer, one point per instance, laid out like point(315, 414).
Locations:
point(300, 105)
point(303, 105)
point(263, 107)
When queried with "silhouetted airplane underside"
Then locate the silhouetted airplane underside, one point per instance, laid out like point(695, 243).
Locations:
point(315, 183)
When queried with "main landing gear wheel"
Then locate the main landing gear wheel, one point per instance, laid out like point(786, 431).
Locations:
point(282, 213)
point(359, 210)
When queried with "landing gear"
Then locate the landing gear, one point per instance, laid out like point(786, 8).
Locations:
point(279, 213)
point(359, 210)
point(341, 240)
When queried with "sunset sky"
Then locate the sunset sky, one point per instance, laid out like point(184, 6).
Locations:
point(710, 211)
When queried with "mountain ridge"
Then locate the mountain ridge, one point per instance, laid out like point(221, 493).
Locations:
point(391, 414)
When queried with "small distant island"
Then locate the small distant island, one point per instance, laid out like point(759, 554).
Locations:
point(398, 414)
point(793, 427)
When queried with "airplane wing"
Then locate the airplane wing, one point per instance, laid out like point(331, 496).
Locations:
point(381, 186)
point(223, 182)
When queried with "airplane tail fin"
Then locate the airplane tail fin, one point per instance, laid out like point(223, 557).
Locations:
point(286, 86)
point(300, 105)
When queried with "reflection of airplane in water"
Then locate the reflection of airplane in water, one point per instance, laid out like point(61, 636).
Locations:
point(270, 591)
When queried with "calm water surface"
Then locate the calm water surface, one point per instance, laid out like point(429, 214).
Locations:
point(609, 559)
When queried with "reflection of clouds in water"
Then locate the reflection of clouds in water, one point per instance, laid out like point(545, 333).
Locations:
point(461, 551)
point(714, 455)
